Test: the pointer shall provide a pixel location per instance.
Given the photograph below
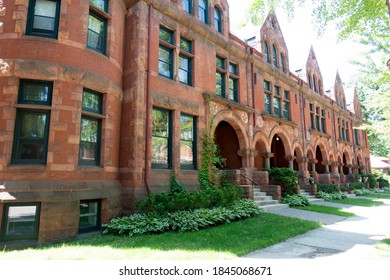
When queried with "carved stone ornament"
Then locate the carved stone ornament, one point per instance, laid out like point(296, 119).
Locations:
point(244, 117)
point(259, 122)
point(296, 133)
point(308, 136)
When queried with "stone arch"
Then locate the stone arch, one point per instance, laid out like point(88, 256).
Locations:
point(360, 162)
point(229, 133)
point(298, 157)
point(262, 148)
point(321, 157)
point(286, 141)
point(310, 157)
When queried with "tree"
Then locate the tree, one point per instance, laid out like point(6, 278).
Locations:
point(351, 16)
point(368, 22)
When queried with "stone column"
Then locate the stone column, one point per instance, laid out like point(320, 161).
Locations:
point(267, 163)
point(290, 161)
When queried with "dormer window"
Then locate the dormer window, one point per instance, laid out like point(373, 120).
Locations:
point(275, 56)
point(266, 50)
point(217, 19)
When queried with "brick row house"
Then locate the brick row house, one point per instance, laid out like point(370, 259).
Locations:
point(101, 100)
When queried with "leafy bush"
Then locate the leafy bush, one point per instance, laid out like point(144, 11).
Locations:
point(383, 183)
point(183, 201)
point(193, 220)
point(386, 189)
point(176, 187)
point(356, 185)
point(286, 178)
point(331, 196)
point(360, 192)
point(296, 200)
point(370, 178)
point(327, 188)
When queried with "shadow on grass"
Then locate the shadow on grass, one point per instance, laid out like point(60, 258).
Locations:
point(234, 239)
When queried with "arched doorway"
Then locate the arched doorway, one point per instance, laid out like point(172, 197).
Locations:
point(227, 141)
point(345, 168)
point(277, 148)
point(259, 159)
point(320, 168)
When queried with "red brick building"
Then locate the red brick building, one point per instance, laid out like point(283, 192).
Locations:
point(100, 100)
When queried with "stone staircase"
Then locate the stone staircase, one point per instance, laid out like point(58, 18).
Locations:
point(311, 198)
point(265, 202)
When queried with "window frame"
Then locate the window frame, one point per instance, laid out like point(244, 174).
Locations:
point(190, 6)
point(169, 138)
point(218, 19)
point(266, 50)
point(169, 47)
point(221, 71)
point(92, 115)
point(104, 20)
point(5, 220)
point(203, 11)
point(186, 54)
point(275, 59)
point(97, 226)
point(193, 165)
point(233, 80)
point(31, 31)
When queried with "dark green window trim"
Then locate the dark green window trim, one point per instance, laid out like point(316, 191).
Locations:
point(267, 103)
point(162, 134)
point(100, 4)
point(266, 50)
point(84, 224)
point(233, 89)
point(100, 42)
point(191, 140)
point(217, 19)
point(35, 92)
point(187, 6)
point(90, 141)
point(185, 69)
point(275, 56)
point(165, 62)
point(30, 149)
point(34, 20)
point(92, 101)
point(220, 84)
point(204, 11)
point(27, 224)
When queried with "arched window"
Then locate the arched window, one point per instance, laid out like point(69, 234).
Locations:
point(283, 62)
point(275, 56)
point(315, 83)
point(266, 49)
point(309, 80)
point(217, 19)
point(203, 11)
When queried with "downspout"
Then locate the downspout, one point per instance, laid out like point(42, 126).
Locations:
point(253, 88)
point(148, 127)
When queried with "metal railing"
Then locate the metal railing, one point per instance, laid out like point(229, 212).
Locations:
point(250, 180)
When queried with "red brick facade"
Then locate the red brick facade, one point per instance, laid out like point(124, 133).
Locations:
point(127, 76)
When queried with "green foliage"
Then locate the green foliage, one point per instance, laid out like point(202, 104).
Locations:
point(356, 186)
point(328, 188)
point(331, 196)
point(370, 178)
point(386, 189)
point(184, 201)
point(176, 187)
point(382, 178)
point(296, 200)
point(209, 157)
point(286, 178)
point(194, 220)
point(360, 192)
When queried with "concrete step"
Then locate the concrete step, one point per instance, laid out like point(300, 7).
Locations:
point(272, 207)
point(259, 193)
point(265, 202)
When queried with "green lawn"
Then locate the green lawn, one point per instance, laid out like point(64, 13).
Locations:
point(218, 243)
point(327, 210)
point(358, 202)
point(384, 247)
point(379, 195)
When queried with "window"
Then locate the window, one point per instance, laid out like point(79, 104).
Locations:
point(233, 82)
point(43, 17)
point(277, 101)
point(266, 50)
point(347, 131)
point(357, 138)
point(286, 106)
point(185, 62)
point(90, 132)
point(309, 80)
point(220, 77)
point(89, 215)
point(32, 123)
point(187, 6)
point(343, 129)
point(187, 142)
point(203, 11)
point(165, 57)
point(20, 221)
point(283, 62)
point(267, 96)
point(314, 83)
point(97, 26)
point(275, 56)
point(217, 19)
point(161, 138)
point(312, 116)
point(323, 123)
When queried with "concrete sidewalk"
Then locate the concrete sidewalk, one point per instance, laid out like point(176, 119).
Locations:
point(340, 237)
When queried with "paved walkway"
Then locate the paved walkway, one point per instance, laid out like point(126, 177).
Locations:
point(340, 238)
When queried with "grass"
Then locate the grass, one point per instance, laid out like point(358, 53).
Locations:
point(218, 243)
point(327, 210)
point(379, 195)
point(384, 247)
point(358, 202)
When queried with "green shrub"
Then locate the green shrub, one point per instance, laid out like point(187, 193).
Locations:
point(386, 189)
point(383, 183)
point(137, 224)
point(296, 200)
point(327, 188)
point(370, 178)
point(175, 186)
point(356, 185)
point(286, 178)
point(331, 196)
point(360, 192)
